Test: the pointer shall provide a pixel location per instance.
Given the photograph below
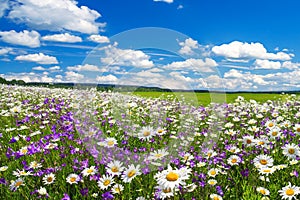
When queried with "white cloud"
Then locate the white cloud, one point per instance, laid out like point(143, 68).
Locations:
point(193, 64)
point(55, 15)
point(179, 76)
point(3, 7)
point(126, 57)
point(28, 77)
point(98, 38)
point(24, 38)
point(66, 37)
point(167, 1)
point(240, 50)
point(266, 64)
point(38, 58)
point(86, 67)
point(180, 7)
point(39, 68)
point(5, 50)
point(188, 46)
point(107, 79)
point(54, 69)
point(73, 76)
point(290, 65)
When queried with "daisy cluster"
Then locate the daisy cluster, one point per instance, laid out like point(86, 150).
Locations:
point(73, 144)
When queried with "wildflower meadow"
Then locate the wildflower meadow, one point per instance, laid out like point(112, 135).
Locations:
point(74, 144)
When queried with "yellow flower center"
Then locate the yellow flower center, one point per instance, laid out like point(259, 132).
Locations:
point(49, 179)
point(167, 190)
point(209, 154)
point(213, 172)
point(115, 169)
point(72, 179)
point(290, 192)
point(160, 131)
point(110, 143)
point(24, 151)
point(263, 192)
point(106, 182)
point(271, 124)
point(298, 129)
point(89, 171)
point(158, 155)
point(248, 141)
point(274, 133)
point(234, 160)
point(261, 143)
point(216, 198)
point(291, 151)
point(23, 173)
point(131, 173)
point(267, 170)
point(172, 176)
point(146, 133)
point(263, 162)
point(17, 184)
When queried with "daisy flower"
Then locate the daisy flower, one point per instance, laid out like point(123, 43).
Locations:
point(213, 172)
point(42, 191)
point(110, 142)
point(263, 161)
point(267, 170)
point(164, 193)
point(212, 182)
point(249, 140)
point(289, 192)
point(291, 151)
point(215, 197)
point(49, 178)
point(158, 154)
point(73, 178)
point(3, 168)
point(16, 184)
point(270, 124)
point(51, 145)
point(89, 171)
point(146, 133)
point(130, 173)
point(234, 160)
point(187, 157)
point(210, 153)
point(171, 178)
point(19, 173)
point(114, 168)
point(160, 131)
point(117, 189)
point(35, 165)
point(274, 132)
point(23, 150)
point(297, 129)
point(105, 181)
point(263, 191)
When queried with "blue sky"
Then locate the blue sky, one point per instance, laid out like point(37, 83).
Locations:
point(191, 44)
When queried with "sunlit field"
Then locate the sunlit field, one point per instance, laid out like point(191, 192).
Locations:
point(116, 146)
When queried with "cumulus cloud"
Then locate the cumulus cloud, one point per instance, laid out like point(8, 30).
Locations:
point(38, 58)
point(66, 37)
point(266, 64)
point(107, 79)
point(55, 15)
point(98, 39)
point(126, 57)
point(73, 76)
point(290, 65)
point(28, 77)
point(86, 67)
point(188, 46)
point(167, 1)
point(24, 38)
point(179, 76)
point(39, 68)
point(5, 50)
point(193, 64)
point(240, 50)
point(3, 7)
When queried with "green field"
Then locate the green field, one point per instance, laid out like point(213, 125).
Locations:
point(205, 98)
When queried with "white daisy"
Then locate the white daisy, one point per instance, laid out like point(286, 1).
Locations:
point(249, 140)
point(215, 197)
point(213, 172)
point(73, 179)
point(3, 168)
point(89, 171)
point(289, 192)
point(49, 178)
point(114, 168)
point(297, 129)
point(263, 161)
point(16, 184)
point(158, 154)
point(291, 151)
point(263, 191)
point(130, 173)
point(42, 191)
point(164, 193)
point(105, 181)
point(117, 189)
point(212, 182)
point(234, 160)
point(35, 165)
point(146, 133)
point(267, 170)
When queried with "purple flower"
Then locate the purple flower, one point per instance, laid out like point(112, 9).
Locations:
point(245, 173)
point(3, 181)
point(107, 196)
point(84, 191)
point(66, 197)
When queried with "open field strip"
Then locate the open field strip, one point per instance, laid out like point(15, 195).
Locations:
point(71, 144)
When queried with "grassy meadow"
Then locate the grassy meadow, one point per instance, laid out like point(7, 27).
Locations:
point(70, 144)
